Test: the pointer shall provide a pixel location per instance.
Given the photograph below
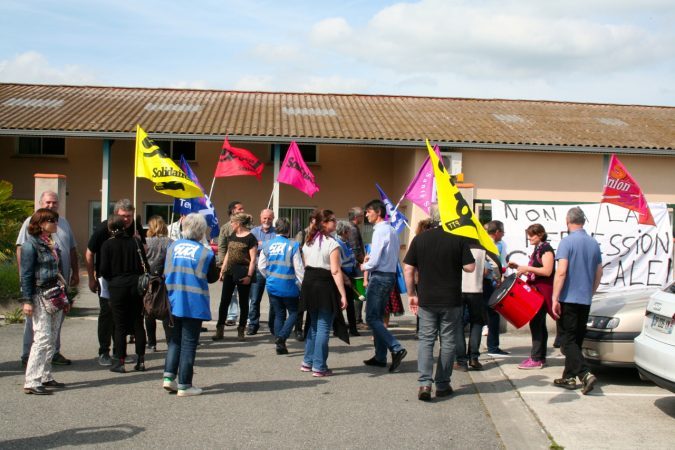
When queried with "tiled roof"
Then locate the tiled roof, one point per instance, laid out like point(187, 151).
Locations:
point(392, 120)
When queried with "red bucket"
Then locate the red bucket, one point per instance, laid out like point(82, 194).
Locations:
point(516, 300)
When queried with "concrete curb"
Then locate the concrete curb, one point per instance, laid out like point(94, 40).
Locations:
point(516, 423)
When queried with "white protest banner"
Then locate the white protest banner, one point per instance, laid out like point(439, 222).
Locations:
point(634, 256)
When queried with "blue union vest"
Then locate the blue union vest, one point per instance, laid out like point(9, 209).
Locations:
point(280, 272)
point(187, 263)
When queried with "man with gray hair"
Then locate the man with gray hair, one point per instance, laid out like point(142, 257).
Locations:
point(439, 259)
point(125, 209)
point(264, 233)
point(577, 277)
point(65, 242)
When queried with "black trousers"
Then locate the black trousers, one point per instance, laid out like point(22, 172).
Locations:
point(539, 334)
point(573, 323)
point(151, 330)
point(351, 310)
point(226, 297)
point(105, 326)
point(127, 312)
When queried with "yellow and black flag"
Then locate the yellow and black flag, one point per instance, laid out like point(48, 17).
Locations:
point(152, 163)
point(457, 217)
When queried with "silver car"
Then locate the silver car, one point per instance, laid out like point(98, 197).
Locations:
point(614, 322)
point(655, 346)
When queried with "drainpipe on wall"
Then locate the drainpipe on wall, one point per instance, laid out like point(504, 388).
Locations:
point(105, 179)
point(277, 157)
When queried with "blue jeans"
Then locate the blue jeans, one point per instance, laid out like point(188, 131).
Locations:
point(434, 323)
point(380, 285)
point(180, 357)
point(284, 325)
point(493, 318)
point(257, 291)
point(316, 344)
point(233, 310)
point(28, 337)
point(474, 312)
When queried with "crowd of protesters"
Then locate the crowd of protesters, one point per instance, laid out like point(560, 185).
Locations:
point(310, 280)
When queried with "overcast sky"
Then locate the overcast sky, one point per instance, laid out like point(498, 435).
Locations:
point(604, 51)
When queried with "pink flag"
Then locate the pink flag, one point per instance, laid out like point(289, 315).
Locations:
point(621, 189)
point(421, 188)
point(295, 172)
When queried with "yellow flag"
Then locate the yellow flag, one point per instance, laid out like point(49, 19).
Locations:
point(153, 164)
point(457, 217)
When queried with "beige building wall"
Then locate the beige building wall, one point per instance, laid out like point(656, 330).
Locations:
point(346, 176)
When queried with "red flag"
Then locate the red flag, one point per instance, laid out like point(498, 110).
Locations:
point(621, 189)
point(235, 161)
point(295, 172)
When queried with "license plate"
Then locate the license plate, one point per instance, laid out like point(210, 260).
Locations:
point(662, 324)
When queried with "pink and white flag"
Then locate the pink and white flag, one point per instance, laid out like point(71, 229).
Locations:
point(295, 172)
point(421, 188)
point(621, 189)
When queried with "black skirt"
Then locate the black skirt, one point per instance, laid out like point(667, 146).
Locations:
point(319, 292)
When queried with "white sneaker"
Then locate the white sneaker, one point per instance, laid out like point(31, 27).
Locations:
point(189, 392)
point(170, 385)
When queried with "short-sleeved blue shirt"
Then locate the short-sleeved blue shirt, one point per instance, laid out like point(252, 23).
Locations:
point(582, 253)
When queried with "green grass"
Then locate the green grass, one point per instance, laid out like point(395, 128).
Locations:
point(14, 316)
point(9, 281)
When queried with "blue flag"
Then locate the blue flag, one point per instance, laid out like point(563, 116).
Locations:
point(201, 205)
point(395, 218)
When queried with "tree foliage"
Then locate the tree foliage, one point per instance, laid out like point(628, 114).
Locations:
point(12, 214)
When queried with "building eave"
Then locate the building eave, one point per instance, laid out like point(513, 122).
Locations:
point(519, 147)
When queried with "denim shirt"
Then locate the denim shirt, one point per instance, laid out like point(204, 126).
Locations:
point(39, 267)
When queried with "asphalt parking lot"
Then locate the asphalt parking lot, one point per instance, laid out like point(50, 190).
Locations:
point(256, 399)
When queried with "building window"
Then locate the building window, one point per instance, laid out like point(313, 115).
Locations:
point(95, 215)
point(159, 209)
point(177, 148)
point(309, 153)
point(41, 146)
point(299, 218)
point(452, 162)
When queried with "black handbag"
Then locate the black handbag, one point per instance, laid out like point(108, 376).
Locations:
point(144, 278)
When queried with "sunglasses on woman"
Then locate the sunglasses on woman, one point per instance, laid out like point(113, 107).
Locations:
point(51, 220)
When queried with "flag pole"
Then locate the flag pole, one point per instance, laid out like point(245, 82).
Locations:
point(135, 173)
point(213, 183)
point(270, 202)
point(605, 166)
point(275, 184)
point(399, 202)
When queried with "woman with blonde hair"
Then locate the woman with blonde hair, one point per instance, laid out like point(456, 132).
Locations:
point(238, 271)
point(157, 241)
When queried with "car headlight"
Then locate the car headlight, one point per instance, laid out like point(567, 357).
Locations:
point(602, 322)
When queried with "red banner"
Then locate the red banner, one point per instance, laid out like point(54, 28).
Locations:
point(235, 161)
point(621, 189)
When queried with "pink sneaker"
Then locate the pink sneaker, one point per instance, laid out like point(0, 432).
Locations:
point(325, 373)
point(529, 364)
point(305, 368)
